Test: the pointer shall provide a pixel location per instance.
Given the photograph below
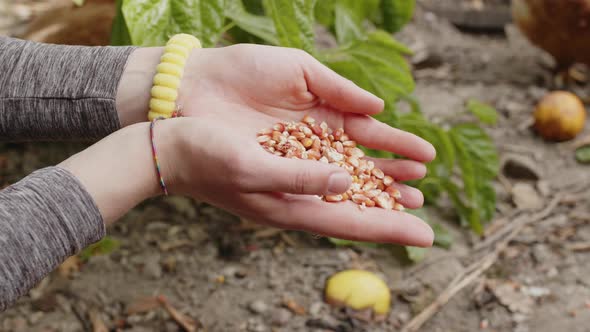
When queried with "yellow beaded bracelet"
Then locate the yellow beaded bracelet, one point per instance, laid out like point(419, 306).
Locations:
point(169, 74)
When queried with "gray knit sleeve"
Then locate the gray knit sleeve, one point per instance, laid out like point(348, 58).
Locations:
point(45, 218)
point(58, 92)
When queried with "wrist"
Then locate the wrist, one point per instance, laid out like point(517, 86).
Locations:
point(119, 171)
point(133, 93)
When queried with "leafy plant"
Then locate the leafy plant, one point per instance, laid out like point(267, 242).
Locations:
point(102, 247)
point(366, 53)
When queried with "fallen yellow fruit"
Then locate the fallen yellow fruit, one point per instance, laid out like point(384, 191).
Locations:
point(559, 116)
point(359, 290)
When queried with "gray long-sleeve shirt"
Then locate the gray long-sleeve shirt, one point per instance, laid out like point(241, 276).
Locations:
point(51, 92)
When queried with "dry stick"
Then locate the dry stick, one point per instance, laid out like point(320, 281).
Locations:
point(475, 270)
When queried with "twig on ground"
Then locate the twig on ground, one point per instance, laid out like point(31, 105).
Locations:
point(475, 270)
point(578, 246)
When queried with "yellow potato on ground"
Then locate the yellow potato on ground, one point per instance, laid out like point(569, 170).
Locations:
point(359, 290)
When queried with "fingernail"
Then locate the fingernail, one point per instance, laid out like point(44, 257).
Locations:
point(339, 182)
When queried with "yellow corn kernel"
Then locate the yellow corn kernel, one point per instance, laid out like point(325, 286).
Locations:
point(167, 80)
point(169, 68)
point(177, 49)
point(173, 58)
point(162, 106)
point(185, 39)
point(164, 93)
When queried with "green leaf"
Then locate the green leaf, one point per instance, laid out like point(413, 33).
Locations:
point(416, 254)
point(442, 236)
point(324, 12)
point(152, 22)
point(375, 64)
point(484, 112)
point(396, 13)
point(102, 247)
point(478, 160)
point(583, 154)
point(293, 21)
point(480, 148)
point(417, 124)
point(346, 25)
point(119, 32)
point(259, 26)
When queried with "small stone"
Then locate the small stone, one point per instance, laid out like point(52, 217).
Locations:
point(169, 264)
point(281, 316)
point(403, 317)
point(229, 271)
point(542, 253)
point(35, 317)
point(343, 256)
point(315, 308)
point(255, 326)
point(526, 197)
point(152, 268)
point(258, 307)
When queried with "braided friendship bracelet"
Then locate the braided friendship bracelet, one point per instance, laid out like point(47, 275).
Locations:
point(155, 155)
point(164, 93)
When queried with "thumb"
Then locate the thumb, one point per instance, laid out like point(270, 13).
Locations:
point(297, 176)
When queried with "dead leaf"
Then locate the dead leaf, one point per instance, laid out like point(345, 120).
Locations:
point(97, 324)
point(511, 296)
point(578, 246)
point(142, 305)
point(267, 232)
point(187, 323)
point(295, 307)
point(69, 267)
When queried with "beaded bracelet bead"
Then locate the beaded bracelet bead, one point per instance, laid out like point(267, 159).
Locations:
point(168, 76)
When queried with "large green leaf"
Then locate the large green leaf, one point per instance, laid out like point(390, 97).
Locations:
point(396, 13)
point(376, 64)
point(152, 22)
point(484, 112)
point(479, 147)
point(349, 16)
point(259, 26)
point(293, 21)
point(417, 124)
point(119, 32)
point(479, 164)
point(347, 24)
point(324, 12)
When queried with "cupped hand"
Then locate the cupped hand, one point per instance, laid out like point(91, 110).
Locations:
point(221, 163)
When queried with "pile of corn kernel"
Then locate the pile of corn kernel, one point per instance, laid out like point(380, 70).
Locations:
point(316, 141)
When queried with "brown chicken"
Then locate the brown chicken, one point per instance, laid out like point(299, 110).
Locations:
point(65, 23)
point(560, 27)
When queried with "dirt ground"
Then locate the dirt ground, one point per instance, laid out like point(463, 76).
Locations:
point(234, 276)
